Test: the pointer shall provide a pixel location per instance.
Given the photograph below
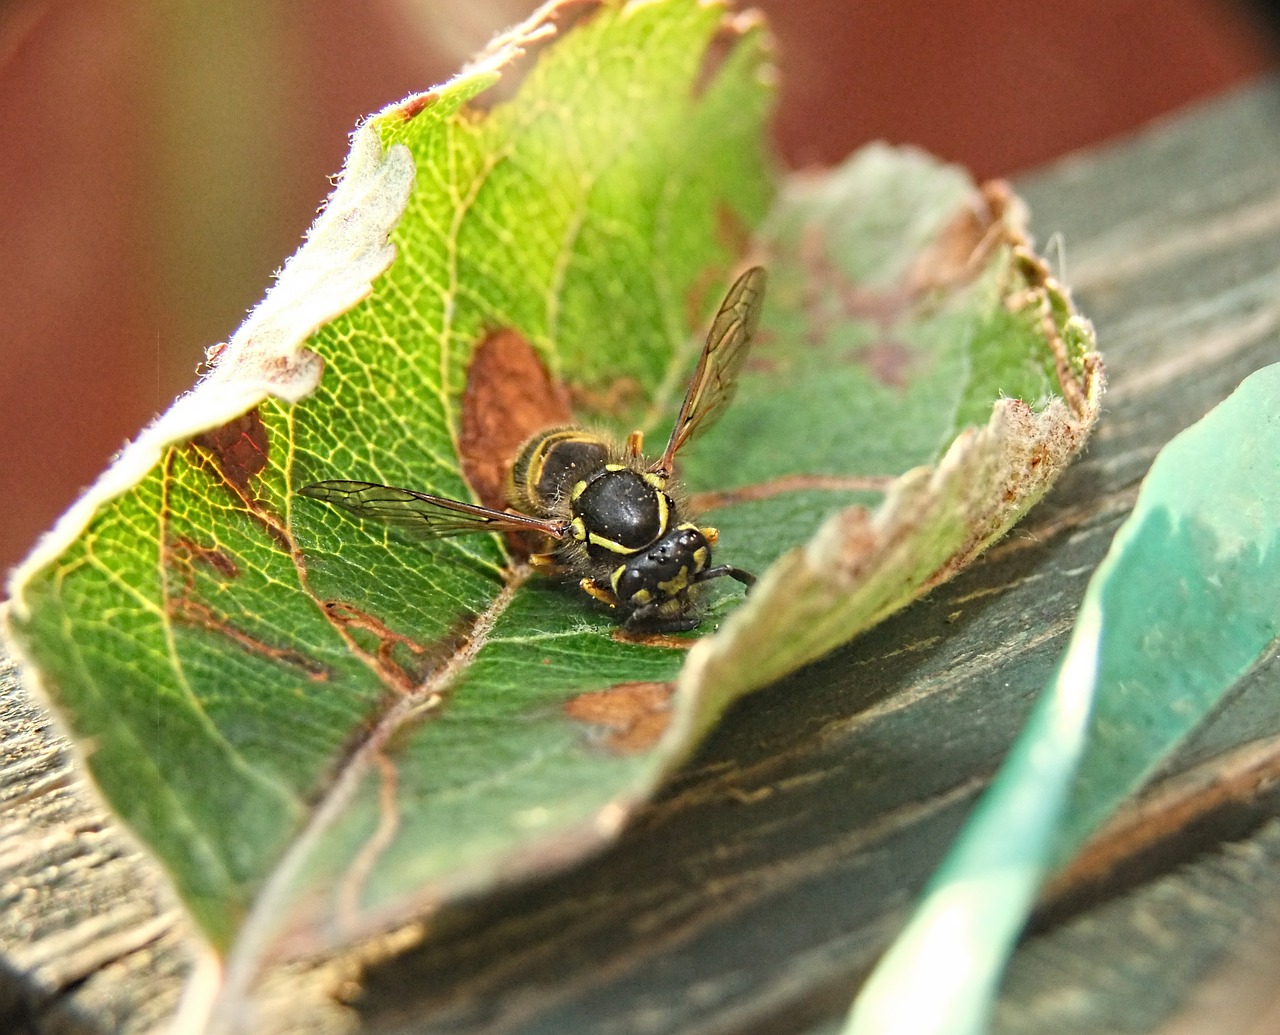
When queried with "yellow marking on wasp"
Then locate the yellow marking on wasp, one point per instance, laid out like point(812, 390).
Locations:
point(578, 490)
point(656, 480)
point(595, 539)
point(615, 467)
point(712, 534)
point(538, 462)
point(676, 583)
point(641, 596)
point(578, 530)
point(664, 513)
point(700, 557)
point(616, 577)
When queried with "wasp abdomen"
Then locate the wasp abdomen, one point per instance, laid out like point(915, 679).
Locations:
point(620, 511)
point(551, 463)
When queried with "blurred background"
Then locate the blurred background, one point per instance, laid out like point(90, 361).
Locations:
point(159, 160)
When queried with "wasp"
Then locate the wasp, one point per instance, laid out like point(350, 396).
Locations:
point(605, 514)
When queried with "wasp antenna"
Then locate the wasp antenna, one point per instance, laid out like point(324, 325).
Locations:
point(745, 577)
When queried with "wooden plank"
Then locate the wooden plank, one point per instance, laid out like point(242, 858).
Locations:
point(90, 936)
point(754, 893)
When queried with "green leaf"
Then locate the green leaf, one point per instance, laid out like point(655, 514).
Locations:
point(912, 307)
point(1176, 615)
point(323, 728)
point(235, 655)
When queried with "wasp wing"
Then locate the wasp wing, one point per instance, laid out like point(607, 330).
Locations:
point(429, 517)
point(716, 377)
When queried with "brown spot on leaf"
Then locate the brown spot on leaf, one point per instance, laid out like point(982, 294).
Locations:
point(633, 715)
point(210, 556)
point(414, 106)
point(662, 640)
point(696, 298)
point(278, 534)
point(707, 285)
point(187, 611)
point(618, 398)
point(766, 365)
point(831, 299)
point(957, 255)
point(732, 230)
point(733, 26)
point(239, 448)
point(184, 607)
point(962, 249)
point(510, 396)
point(884, 307)
point(400, 661)
point(886, 360)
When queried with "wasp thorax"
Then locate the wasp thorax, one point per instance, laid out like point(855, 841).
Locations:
point(620, 510)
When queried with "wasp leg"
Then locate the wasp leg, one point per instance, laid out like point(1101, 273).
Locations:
point(635, 445)
point(648, 618)
point(547, 564)
point(745, 577)
point(601, 593)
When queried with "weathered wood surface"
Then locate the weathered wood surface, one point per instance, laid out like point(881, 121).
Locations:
point(753, 895)
point(90, 940)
